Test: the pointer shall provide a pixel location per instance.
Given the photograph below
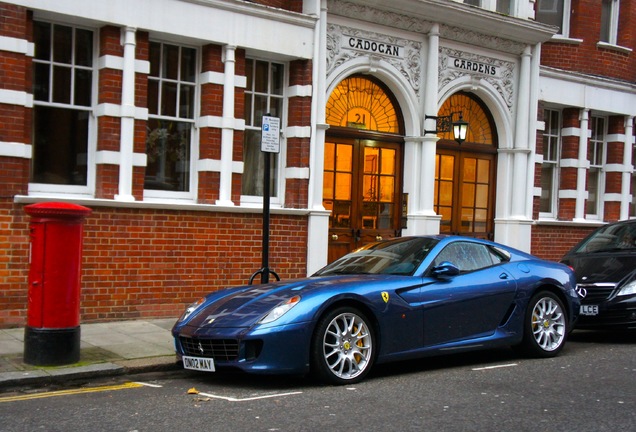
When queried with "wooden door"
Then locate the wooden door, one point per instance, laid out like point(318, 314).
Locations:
point(465, 192)
point(362, 184)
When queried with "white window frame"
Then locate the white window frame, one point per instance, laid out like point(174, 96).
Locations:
point(279, 186)
point(554, 192)
point(597, 165)
point(191, 194)
point(612, 24)
point(74, 191)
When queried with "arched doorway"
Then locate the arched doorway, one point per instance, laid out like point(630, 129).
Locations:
point(362, 184)
point(465, 175)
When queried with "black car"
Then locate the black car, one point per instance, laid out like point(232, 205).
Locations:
point(605, 267)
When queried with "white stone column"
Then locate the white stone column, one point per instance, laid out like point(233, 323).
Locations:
point(429, 143)
point(227, 125)
point(318, 224)
point(127, 130)
point(422, 218)
point(521, 146)
point(626, 180)
point(581, 174)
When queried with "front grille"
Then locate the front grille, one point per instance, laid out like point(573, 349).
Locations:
point(218, 349)
point(596, 293)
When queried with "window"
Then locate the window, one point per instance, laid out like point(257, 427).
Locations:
point(549, 167)
point(503, 6)
point(171, 104)
point(469, 256)
point(609, 21)
point(62, 90)
point(554, 12)
point(595, 156)
point(473, 2)
point(264, 95)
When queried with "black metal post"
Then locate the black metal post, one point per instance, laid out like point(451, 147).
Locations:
point(265, 264)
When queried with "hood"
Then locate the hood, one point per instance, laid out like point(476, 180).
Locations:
point(244, 306)
point(601, 267)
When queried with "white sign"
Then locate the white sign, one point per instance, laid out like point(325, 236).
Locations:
point(368, 45)
point(270, 138)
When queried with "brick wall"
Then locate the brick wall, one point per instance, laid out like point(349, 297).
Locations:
point(15, 120)
point(588, 57)
point(551, 242)
point(151, 263)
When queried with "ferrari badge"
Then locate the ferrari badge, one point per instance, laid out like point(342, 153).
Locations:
point(385, 296)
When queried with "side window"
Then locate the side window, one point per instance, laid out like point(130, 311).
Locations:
point(171, 97)
point(264, 95)
point(468, 256)
point(62, 90)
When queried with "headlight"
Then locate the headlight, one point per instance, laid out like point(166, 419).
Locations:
point(194, 306)
point(628, 289)
point(280, 310)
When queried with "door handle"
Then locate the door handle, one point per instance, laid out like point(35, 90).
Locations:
point(334, 237)
point(378, 238)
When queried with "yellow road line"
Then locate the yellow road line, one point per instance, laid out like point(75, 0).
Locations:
point(71, 392)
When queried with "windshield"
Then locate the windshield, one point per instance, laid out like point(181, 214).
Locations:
point(610, 238)
point(399, 257)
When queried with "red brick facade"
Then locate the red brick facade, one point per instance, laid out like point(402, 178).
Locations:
point(588, 56)
point(144, 262)
point(583, 54)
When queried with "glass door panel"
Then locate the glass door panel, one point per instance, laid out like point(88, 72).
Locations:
point(464, 188)
point(364, 202)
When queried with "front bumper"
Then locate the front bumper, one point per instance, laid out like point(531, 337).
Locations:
point(271, 350)
point(618, 313)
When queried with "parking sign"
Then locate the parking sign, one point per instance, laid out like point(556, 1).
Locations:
point(270, 138)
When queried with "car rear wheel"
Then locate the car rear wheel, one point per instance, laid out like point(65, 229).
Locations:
point(343, 346)
point(545, 326)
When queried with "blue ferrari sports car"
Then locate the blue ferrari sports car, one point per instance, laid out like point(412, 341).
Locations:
point(400, 299)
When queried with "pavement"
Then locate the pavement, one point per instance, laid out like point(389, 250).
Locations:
point(106, 349)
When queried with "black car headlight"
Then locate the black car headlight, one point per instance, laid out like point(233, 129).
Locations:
point(627, 289)
point(190, 309)
point(281, 309)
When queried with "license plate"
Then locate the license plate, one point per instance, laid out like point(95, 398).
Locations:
point(198, 363)
point(589, 310)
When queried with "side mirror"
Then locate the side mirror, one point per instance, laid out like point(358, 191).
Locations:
point(445, 269)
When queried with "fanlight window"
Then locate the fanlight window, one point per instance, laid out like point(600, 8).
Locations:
point(360, 103)
point(479, 125)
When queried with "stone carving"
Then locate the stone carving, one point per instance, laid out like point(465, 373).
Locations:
point(503, 81)
point(418, 25)
point(409, 63)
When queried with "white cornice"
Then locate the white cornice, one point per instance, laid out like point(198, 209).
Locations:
point(596, 81)
point(452, 15)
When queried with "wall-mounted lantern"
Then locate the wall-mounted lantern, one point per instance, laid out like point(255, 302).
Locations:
point(446, 124)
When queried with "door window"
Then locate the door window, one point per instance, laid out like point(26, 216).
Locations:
point(465, 174)
point(363, 165)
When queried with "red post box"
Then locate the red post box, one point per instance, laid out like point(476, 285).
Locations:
point(52, 333)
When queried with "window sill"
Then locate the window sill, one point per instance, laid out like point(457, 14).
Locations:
point(565, 40)
point(612, 47)
point(581, 223)
point(155, 204)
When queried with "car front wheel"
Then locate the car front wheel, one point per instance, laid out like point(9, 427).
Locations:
point(343, 346)
point(545, 326)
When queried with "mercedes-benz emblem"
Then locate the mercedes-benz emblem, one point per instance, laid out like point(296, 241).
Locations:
point(582, 292)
